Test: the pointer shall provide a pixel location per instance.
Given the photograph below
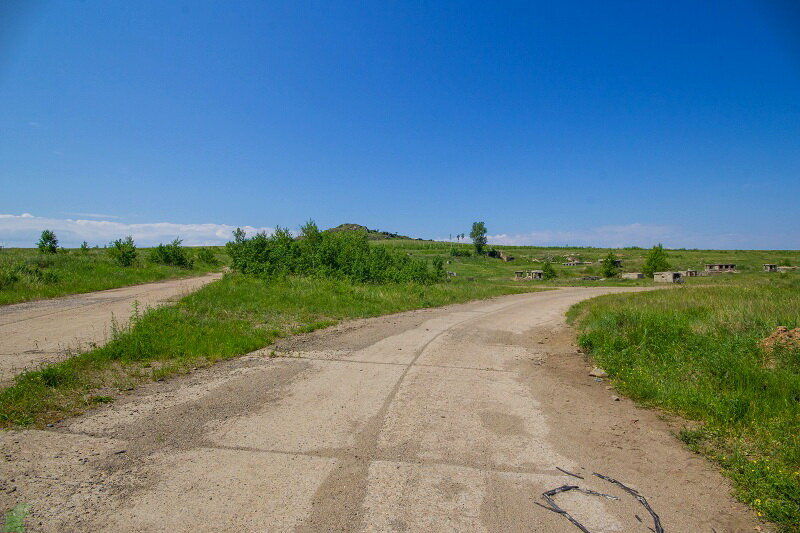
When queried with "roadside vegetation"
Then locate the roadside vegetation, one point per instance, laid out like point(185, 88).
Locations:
point(49, 271)
point(280, 288)
point(337, 255)
point(697, 352)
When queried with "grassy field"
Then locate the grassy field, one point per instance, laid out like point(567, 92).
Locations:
point(695, 351)
point(231, 317)
point(26, 274)
point(749, 262)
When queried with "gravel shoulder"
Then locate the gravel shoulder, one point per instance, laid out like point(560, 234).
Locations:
point(449, 419)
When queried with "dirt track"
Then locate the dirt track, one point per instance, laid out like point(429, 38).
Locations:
point(45, 331)
point(454, 419)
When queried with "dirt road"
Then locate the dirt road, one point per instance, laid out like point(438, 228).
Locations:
point(44, 331)
point(453, 419)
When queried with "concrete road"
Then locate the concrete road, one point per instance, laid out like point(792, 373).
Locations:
point(45, 331)
point(453, 419)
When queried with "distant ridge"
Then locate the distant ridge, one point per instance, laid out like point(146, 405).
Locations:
point(372, 234)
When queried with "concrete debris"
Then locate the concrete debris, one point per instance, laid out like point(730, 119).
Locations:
point(598, 372)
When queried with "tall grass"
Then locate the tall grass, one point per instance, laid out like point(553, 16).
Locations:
point(695, 351)
point(233, 316)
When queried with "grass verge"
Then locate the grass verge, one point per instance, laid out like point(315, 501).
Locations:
point(26, 274)
point(231, 317)
point(695, 352)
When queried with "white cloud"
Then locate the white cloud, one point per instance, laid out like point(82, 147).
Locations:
point(23, 231)
point(91, 215)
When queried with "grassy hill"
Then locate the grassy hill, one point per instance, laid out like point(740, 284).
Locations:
point(372, 234)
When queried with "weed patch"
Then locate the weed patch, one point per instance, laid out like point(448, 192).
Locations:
point(14, 520)
point(699, 353)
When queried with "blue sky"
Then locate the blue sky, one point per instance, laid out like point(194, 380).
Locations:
point(600, 123)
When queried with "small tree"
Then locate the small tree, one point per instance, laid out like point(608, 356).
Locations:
point(548, 272)
point(48, 244)
point(123, 251)
point(610, 268)
point(478, 235)
point(656, 261)
point(84, 247)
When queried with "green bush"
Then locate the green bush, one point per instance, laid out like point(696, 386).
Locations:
point(656, 261)
point(609, 267)
point(548, 272)
point(48, 244)
point(207, 256)
point(171, 254)
point(123, 251)
point(342, 255)
point(8, 278)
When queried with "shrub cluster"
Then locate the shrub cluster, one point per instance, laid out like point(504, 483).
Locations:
point(123, 251)
point(343, 255)
point(207, 256)
point(172, 254)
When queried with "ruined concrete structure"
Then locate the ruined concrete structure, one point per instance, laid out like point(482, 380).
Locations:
point(632, 275)
point(787, 268)
point(668, 277)
point(576, 263)
point(690, 273)
point(716, 268)
point(768, 267)
point(528, 275)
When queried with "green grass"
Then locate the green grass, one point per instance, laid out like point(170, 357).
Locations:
point(233, 316)
point(14, 520)
point(26, 274)
point(694, 351)
point(749, 262)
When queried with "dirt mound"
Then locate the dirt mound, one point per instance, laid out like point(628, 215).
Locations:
point(782, 337)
